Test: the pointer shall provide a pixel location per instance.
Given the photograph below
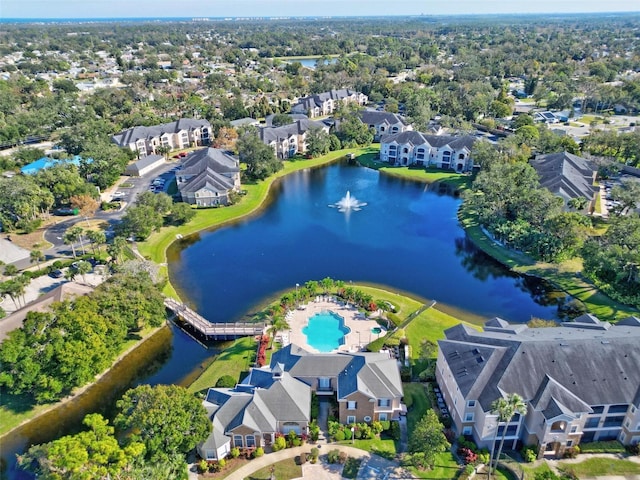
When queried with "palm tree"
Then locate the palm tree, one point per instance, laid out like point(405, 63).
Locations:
point(36, 256)
point(96, 237)
point(83, 268)
point(117, 248)
point(505, 408)
point(73, 236)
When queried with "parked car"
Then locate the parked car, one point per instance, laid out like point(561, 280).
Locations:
point(56, 274)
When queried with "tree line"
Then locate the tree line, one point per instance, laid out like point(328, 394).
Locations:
point(58, 350)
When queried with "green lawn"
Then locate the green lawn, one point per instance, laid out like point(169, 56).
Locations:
point(563, 275)
point(594, 467)
point(429, 325)
point(384, 447)
point(284, 469)
point(445, 468)
point(430, 175)
point(233, 361)
point(155, 247)
point(417, 401)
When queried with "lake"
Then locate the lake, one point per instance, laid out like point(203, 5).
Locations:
point(406, 237)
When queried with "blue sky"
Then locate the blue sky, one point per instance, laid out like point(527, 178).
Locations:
point(230, 8)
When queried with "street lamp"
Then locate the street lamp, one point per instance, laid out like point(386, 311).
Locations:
point(358, 332)
point(297, 286)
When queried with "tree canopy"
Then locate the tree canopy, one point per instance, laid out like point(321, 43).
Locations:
point(167, 419)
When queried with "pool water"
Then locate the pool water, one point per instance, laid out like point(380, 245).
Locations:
point(325, 331)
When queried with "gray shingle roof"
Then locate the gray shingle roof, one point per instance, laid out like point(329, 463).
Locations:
point(270, 134)
point(210, 180)
point(218, 160)
point(565, 174)
point(312, 101)
point(374, 117)
point(435, 141)
point(136, 133)
point(374, 374)
point(597, 365)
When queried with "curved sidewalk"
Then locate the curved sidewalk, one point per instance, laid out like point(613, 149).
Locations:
point(372, 467)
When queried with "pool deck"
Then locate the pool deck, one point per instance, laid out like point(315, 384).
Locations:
point(353, 319)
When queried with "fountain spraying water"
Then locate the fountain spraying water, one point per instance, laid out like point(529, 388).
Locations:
point(348, 203)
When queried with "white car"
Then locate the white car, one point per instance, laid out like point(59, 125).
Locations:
point(118, 194)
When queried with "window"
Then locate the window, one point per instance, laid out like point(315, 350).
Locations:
point(574, 428)
point(618, 408)
point(466, 431)
point(367, 418)
point(627, 423)
point(351, 419)
point(559, 426)
point(351, 405)
point(615, 421)
point(468, 417)
point(597, 409)
point(382, 417)
point(471, 403)
point(569, 443)
point(237, 441)
point(384, 402)
point(251, 441)
point(592, 422)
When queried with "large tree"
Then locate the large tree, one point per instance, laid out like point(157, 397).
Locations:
point(259, 158)
point(93, 453)
point(318, 142)
point(139, 222)
point(427, 440)
point(167, 419)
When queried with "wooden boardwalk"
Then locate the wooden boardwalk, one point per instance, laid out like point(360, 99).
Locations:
point(215, 331)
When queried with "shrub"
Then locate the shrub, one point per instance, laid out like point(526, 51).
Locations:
point(303, 458)
point(314, 431)
point(314, 453)
point(377, 428)
point(222, 463)
point(296, 442)
point(279, 444)
point(340, 435)
point(203, 466)
point(529, 453)
point(226, 381)
point(235, 452)
point(342, 457)
point(333, 456)
point(394, 431)
point(468, 455)
point(258, 452)
point(347, 433)
point(634, 449)
point(386, 425)
point(613, 446)
point(572, 452)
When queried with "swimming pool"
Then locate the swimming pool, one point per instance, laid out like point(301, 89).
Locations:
point(325, 331)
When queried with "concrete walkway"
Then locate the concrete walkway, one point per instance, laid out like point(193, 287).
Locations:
point(373, 467)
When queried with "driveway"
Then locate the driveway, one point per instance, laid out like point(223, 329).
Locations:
point(372, 467)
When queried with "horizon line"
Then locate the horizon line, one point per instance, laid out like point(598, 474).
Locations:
point(288, 17)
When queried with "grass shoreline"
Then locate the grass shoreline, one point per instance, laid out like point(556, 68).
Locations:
point(563, 276)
